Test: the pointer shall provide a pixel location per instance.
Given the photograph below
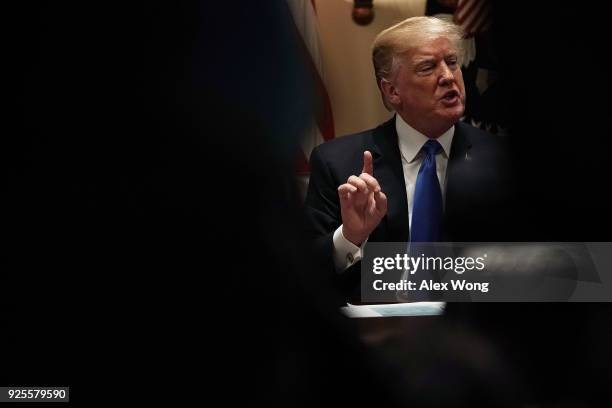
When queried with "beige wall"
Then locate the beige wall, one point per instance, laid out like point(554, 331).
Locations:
point(347, 65)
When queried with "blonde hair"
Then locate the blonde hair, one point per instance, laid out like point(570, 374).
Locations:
point(412, 32)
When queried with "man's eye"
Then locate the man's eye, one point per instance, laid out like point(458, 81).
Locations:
point(425, 68)
point(452, 62)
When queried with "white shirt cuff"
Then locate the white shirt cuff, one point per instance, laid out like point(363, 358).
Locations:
point(345, 252)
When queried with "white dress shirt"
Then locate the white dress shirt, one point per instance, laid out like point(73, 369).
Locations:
point(410, 142)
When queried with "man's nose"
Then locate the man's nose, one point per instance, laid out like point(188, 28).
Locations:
point(446, 75)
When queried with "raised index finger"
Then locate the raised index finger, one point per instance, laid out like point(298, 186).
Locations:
point(368, 167)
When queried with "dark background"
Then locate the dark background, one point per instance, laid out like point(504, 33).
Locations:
point(556, 66)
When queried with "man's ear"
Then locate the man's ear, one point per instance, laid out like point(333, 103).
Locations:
point(389, 92)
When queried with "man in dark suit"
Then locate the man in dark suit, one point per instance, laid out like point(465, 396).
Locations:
point(423, 175)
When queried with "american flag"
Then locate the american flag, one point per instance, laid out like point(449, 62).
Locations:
point(474, 16)
point(322, 129)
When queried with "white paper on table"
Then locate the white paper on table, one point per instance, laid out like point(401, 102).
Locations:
point(395, 309)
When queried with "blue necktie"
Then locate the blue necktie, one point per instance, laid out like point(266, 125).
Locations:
point(427, 207)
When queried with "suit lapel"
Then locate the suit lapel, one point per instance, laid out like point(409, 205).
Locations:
point(390, 175)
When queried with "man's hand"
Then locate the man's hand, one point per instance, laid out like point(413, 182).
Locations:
point(362, 203)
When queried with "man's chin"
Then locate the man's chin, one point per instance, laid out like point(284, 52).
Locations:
point(454, 113)
point(452, 116)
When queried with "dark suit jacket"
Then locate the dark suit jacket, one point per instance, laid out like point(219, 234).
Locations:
point(478, 191)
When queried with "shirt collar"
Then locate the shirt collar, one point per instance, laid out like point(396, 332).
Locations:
point(411, 140)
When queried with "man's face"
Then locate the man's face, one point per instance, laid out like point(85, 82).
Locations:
point(428, 90)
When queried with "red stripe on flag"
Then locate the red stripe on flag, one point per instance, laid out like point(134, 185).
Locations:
point(464, 8)
point(473, 13)
point(478, 19)
point(473, 16)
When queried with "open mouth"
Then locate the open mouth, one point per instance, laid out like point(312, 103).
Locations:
point(450, 97)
